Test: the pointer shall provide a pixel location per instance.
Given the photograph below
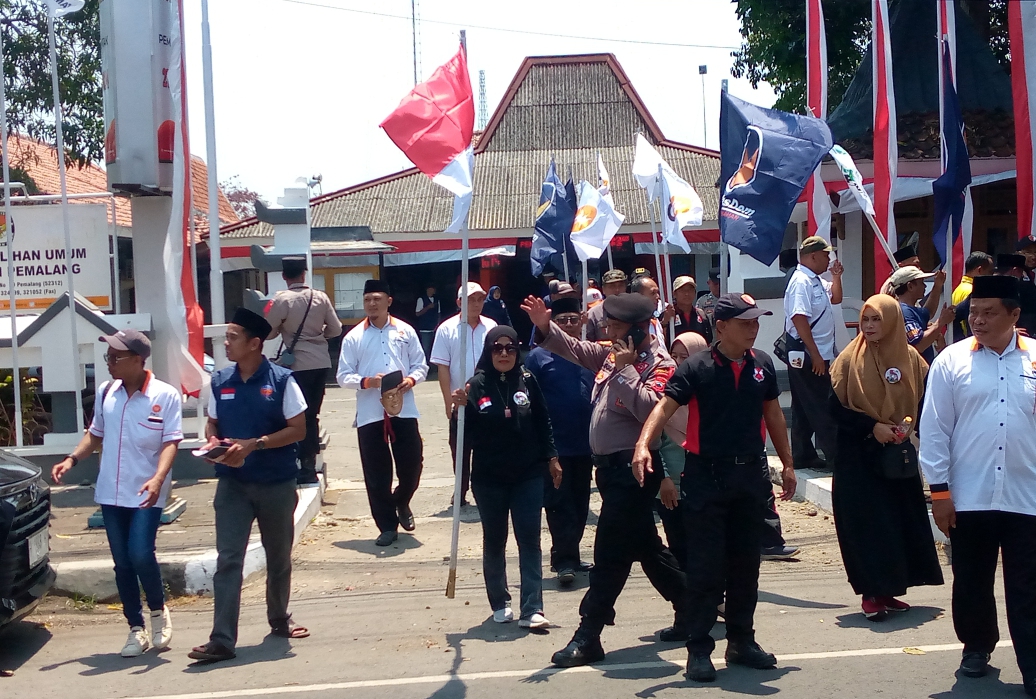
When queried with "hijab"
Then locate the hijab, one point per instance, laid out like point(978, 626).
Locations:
point(500, 386)
point(495, 308)
point(863, 374)
point(676, 428)
point(485, 362)
point(693, 342)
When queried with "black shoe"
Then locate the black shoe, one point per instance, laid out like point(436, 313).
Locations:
point(779, 553)
point(700, 668)
point(1030, 686)
point(585, 567)
point(673, 634)
point(566, 576)
point(406, 518)
point(386, 538)
point(974, 664)
point(749, 654)
point(581, 650)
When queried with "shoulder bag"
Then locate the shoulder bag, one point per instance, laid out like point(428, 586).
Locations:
point(898, 461)
point(286, 357)
point(786, 343)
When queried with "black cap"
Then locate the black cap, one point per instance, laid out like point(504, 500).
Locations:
point(904, 254)
point(743, 306)
point(714, 274)
point(565, 305)
point(374, 286)
point(254, 323)
point(129, 340)
point(629, 308)
point(1005, 262)
point(1025, 242)
point(294, 266)
point(995, 288)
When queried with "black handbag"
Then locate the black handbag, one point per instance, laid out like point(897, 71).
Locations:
point(786, 343)
point(898, 461)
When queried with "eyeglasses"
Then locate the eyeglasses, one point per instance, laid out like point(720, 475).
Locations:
point(112, 359)
point(567, 320)
point(504, 349)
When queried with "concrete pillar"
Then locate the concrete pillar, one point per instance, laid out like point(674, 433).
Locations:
point(150, 225)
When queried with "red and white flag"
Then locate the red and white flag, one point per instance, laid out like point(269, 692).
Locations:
point(433, 126)
point(1021, 23)
point(886, 152)
point(819, 205)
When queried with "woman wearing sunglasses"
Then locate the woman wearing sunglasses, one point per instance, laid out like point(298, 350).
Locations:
point(512, 451)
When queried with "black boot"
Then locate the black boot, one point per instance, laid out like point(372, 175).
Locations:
point(749, 654)
point(700, 668)
point(583, 649)
point(679, 631)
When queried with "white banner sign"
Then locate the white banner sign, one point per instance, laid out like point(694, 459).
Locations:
point(39, 256)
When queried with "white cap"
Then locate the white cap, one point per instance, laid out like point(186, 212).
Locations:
point(473, 288)
point(905, 275)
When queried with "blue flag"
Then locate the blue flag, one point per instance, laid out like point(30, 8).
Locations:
point(766, 159)
point(948, 189)
point(554, 219)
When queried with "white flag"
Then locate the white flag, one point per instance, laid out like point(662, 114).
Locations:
point(645, 166)
point(596, 223)
point(853, 178)
point(681, 206)
point(60, 8)
point(605, 185)
point(457, 177)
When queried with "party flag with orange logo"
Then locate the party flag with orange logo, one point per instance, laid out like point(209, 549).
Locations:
point(681, 206)
point(596, 223)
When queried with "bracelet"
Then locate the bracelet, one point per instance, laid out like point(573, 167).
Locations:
point(74, 459)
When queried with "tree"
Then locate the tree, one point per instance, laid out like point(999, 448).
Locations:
point(240, 197)
point(773, 47)
point(30, 99)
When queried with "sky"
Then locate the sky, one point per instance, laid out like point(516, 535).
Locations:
point(301, 85)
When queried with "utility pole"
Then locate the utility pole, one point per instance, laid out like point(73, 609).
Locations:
point(413, 30)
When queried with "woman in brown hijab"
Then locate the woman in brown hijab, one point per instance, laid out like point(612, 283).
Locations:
point(882, 521)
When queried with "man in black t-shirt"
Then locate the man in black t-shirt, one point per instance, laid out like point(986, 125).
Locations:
point(731, 392)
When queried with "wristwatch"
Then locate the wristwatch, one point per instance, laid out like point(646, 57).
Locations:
point(260, 443)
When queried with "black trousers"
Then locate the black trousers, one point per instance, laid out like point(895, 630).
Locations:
point(810, 415)
point(675, 532)
point(626, 533)
point(465, 479)
point(376, 456)
point(567, 508)
point(724, 505)
point(312, 382)
point(978, 540)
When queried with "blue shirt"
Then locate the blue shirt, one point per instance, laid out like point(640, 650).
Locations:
point(566, 389)
point(916, 321)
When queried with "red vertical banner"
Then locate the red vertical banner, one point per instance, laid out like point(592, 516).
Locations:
point(818, 204)
point(886, 152)
point(1021, 23)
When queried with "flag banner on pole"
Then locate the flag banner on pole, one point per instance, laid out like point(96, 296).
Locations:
point(604, 181)
point(886, 149)
point(853, 178)
point(60, 8)
point(766, 157)
point(595, 224)
point(433, 126)
point(948, 189)
point(681, 206)
point(554, 219)
point(818, 210)
point(1021, 23)
point(645, 166)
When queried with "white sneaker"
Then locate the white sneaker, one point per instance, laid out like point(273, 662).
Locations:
point(503, 616)
point(161, 629)
point(535, 621)
point(136, 644)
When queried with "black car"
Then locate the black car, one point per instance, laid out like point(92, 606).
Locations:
point(25, 572)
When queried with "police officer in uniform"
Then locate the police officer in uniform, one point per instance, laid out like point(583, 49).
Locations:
point(724, 485)
point(630, 380)
point(613, 283)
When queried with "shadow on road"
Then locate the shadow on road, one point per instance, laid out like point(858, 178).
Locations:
point(21, 641)
point(911, 619)
point(980, 688)
point(735, 680)
point(782, 601)
point(272, 648)
point(404, 543)
point(103, 663)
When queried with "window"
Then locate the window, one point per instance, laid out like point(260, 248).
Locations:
point(349, 291)
point(318, 282)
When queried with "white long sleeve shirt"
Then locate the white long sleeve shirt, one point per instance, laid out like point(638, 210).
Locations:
point(368, 351)
point(809, 295)
point(978, 426)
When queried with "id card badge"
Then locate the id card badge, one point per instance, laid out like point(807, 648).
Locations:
point(796, 359)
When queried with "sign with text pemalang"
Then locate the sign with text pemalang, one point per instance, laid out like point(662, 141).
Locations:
point(40, 264)
point(138, 108)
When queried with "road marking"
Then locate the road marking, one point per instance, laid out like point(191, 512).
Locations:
point(505, 674)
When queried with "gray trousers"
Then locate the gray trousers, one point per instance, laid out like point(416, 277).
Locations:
point(237, 505)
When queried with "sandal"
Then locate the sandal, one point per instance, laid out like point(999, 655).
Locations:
point(289, 629)
point(211, 652)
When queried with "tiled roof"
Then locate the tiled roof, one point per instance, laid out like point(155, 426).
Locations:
point(40, 161)
point(568, 107)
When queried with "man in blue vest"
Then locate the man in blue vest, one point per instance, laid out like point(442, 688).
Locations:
point(259, 410)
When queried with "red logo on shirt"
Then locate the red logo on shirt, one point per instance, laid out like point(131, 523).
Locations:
point(758, 375)
point(266, 391)
point(156, 408)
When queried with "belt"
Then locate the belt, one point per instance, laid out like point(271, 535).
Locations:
point(617, 459)
point(740, 460)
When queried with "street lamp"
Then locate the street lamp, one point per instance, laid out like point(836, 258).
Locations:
point(702, 71)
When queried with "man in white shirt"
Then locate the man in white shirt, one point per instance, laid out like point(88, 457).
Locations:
point(979, 457)
point(137, 425)
point(456, 368)
point(377, 347)
point(810, 326)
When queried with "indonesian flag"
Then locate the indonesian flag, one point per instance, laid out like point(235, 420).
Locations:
point(681, 206)
point(60, 8)
point(433, 126)
point(596, 223)
point(819, 211)
point(886, 152)
point(1021, 23)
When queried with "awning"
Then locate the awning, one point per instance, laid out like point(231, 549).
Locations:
point(402, 259)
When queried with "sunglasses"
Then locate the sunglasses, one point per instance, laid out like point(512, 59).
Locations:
point(567, 320)
point(504, 349)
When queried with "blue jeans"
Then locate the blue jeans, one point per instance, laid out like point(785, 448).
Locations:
point(524, 502)
point(131, 538)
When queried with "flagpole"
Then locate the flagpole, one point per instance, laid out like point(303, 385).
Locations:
point(9, 222)
point(668, 274)
point(582, 302)
point(216, 302)
point(69, 276)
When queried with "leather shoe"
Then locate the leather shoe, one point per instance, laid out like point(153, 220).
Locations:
point(406, 518)
point(581, 650)
point(749, 654)
point(566, 576)
point(673, 634)
point(700, 668)
point(1030, 686)
point(585, 567)
point(974, 664)
point(386, 538)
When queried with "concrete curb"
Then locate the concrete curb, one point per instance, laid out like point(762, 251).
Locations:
point(184, 573)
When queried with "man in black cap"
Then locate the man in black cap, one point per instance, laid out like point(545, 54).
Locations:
point(631, 376)
point(1010, 265)
point(613, 283)
point(977, 454)
point(707, 302)
point(379, 349)
point(258, 408)
point(725, 486)
point(304, 318)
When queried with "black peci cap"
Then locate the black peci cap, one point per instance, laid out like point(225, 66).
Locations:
point(1005, 262)
point(730, 306)
point(565, 305)
point(375, 286)
point(629, 308)
point(254, 323)
point(904, 254)
point(294, 266)
point(995, 288)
